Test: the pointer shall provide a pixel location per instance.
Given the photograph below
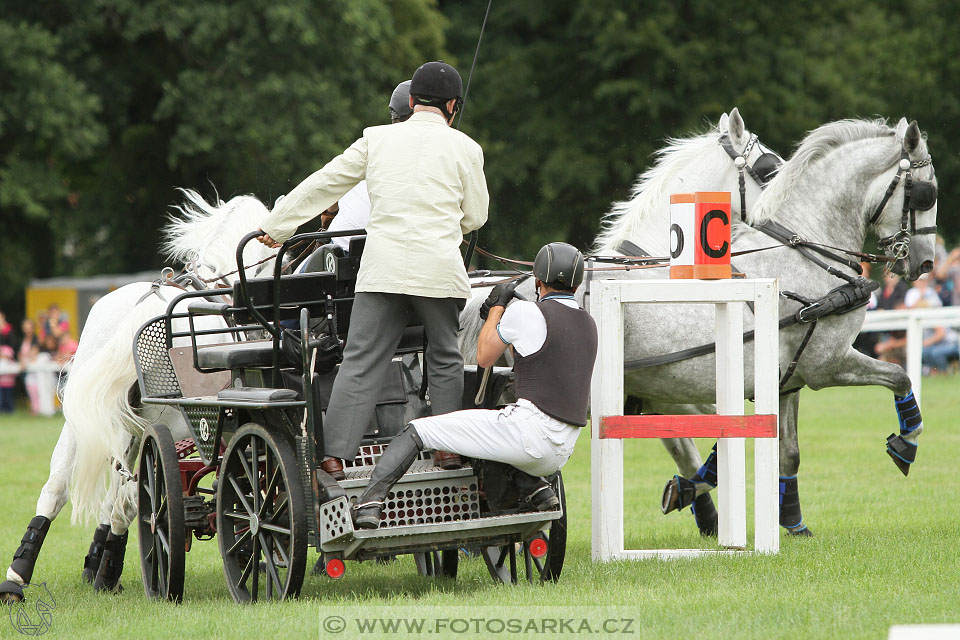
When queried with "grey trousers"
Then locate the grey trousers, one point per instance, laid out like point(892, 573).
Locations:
point(376, 326)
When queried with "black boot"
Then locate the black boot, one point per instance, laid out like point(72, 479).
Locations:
point(394, 462)
point(91, 563)
point(536, 492)
point(25, 559)
point(111, 564)
point(791, 518)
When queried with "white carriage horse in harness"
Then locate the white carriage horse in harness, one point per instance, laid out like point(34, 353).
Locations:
point(94, 455)
point(886, 182)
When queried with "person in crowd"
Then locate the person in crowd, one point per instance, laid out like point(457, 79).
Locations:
point(554, 342)
point(27, 355)
point(7, 336)
point(947, 273)
point(427, 189)
point(939, 343)
point(54, 319)
point(892, 346)
point(8, 378)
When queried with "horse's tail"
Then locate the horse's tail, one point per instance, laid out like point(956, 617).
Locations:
point(97, 408)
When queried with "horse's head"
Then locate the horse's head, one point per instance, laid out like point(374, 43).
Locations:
point(205, 236)
point(906, 216)
point(760, 162)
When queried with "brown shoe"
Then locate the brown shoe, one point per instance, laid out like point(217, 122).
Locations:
point(446, 460)
point(334, 468)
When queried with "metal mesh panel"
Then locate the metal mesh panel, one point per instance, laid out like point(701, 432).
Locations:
point(369, 455)
point(306, 480)
point(157, 377)
point(205, 422)
point(335, 520)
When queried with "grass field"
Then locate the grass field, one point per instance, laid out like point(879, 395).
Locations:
point(885, 551)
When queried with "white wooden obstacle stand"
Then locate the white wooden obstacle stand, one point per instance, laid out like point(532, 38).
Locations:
point(729, 426)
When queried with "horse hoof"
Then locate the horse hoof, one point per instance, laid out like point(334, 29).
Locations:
point(677, 494)
point(11, 592)
point(705, 514)
point(803, 531)
point(902, 452)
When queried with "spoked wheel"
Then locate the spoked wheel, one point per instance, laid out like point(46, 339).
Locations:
point(538, 559)
point(261, 517)
point(437, 564)
point(160, 516)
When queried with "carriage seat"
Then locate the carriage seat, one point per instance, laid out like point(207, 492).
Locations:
point(236, 355)
point(257, 394)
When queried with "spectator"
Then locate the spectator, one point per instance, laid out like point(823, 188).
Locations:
point(7, 337)
point(892, 346)
point(939, 343)
point(8, 378)
point(27, 355)
point(54, 320)
point(947, 272)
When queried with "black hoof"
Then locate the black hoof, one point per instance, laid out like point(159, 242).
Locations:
point(902, 452)
point(678, 493)
point(803, 531)
point(705, 514)
point(10, 592)
point(111, 564)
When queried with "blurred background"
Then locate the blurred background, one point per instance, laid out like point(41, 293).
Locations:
point(106, 106)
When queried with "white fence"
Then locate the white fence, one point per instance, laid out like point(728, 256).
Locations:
point(914, 321)
point(609, 426)
point(47, 373)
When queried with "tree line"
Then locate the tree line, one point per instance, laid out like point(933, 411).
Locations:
point(106, 107)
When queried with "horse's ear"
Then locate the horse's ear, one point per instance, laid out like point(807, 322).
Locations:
point(724, 125)
point(901, 128)
point(911, 140)
point(736, 124)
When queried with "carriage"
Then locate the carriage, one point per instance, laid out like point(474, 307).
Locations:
point(254, 411)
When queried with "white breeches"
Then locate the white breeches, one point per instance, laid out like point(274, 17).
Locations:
point(519, 434)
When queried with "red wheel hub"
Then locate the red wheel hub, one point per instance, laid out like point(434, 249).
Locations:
point(335, 568)
point(538, 548)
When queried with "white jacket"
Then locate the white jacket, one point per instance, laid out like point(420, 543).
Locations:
point(427, 190)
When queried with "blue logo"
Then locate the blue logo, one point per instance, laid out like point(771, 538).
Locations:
point(38, 623)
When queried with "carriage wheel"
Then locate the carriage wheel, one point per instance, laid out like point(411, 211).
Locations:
point(438, 563)
point(261, 517)
point(510, 564)
point(160, 516)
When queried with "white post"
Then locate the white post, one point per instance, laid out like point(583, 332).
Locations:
point(915, 353)
point(730, 451)
point(766, 348)
point(607, 454)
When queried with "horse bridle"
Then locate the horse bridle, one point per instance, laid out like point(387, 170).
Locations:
point(917, 195)
point(761, 170)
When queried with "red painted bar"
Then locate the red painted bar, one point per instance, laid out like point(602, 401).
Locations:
point(707, 426)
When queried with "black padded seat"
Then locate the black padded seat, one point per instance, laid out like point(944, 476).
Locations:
point(236, 355)
point(257, 394)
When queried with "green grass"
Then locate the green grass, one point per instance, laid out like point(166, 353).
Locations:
point(885, 549)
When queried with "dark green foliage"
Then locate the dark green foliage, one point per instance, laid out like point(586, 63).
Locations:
point(107, 106)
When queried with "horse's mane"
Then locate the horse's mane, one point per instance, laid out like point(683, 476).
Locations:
point(817, 144)
point(197, 228)
point(634, 218)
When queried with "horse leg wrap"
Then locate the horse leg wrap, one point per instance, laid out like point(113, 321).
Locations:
point(25, 558)
point(790, 517)
point(91, 563)
point(678, 494)
point(707, 473)
point(902, 448)
point(111, 564)
point(705, 515)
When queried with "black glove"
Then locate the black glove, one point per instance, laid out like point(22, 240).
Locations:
point(500, 296)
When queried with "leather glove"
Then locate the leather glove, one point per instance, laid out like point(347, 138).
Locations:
point(500, 296)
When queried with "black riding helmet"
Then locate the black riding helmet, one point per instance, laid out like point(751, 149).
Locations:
point(400, 102)
point(559, 266)
point(434, 84)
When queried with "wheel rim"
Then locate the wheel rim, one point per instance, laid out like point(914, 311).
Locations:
point(160, 517)
point(257, 521)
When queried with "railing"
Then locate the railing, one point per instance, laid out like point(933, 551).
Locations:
point(914, 321)
point(46, 382)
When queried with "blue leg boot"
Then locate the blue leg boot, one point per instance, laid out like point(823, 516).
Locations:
point(902, 447)
point(790, 517)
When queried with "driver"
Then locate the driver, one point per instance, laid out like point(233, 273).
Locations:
point(427, 189)
point(555, 346)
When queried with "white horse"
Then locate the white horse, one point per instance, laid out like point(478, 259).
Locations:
point(642, 223)
point(831, 192)
point(103, 421)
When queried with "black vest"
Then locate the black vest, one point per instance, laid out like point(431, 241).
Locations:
point(557, 377)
